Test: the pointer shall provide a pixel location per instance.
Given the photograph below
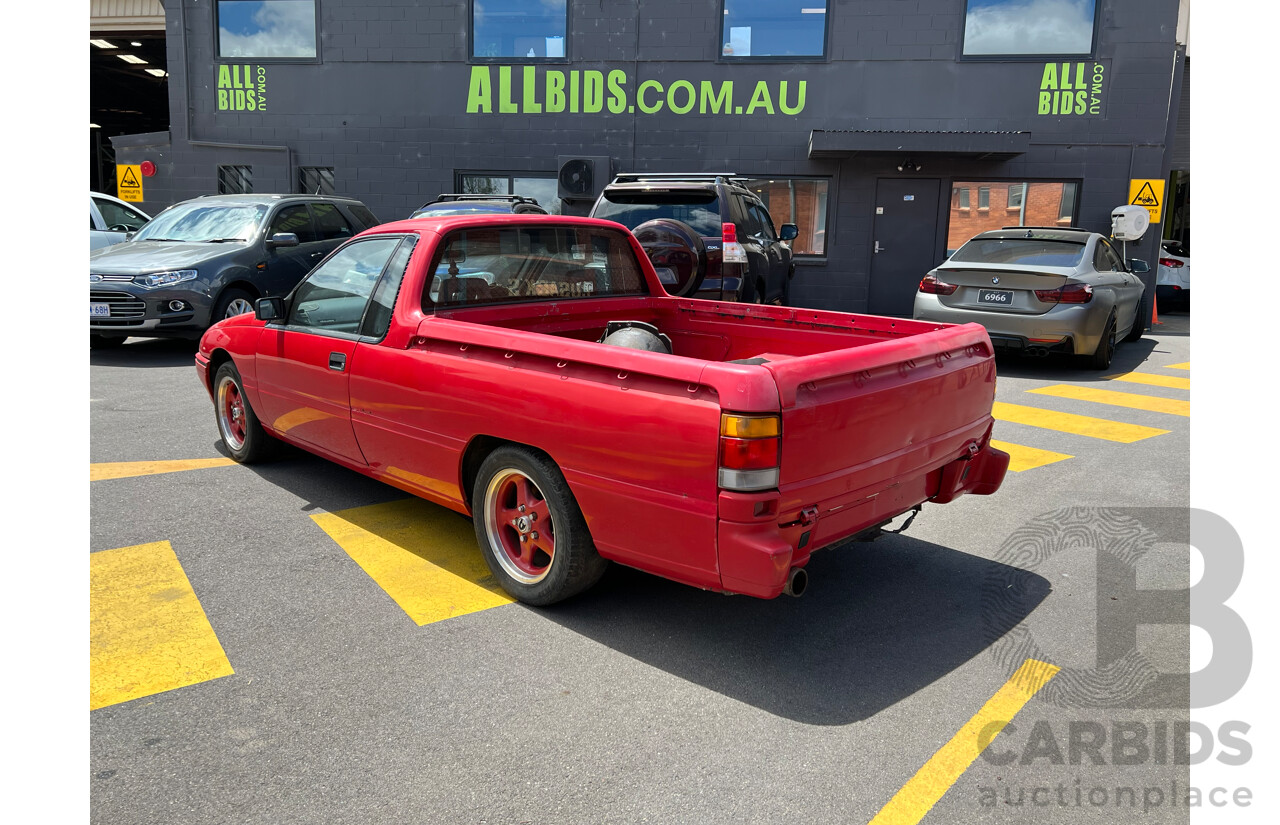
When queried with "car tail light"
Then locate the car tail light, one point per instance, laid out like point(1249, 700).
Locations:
point(930, 285)
point(1172, 263)
point(728, 233)
point(1069, 294)
point(750, 450)
point(733, 253)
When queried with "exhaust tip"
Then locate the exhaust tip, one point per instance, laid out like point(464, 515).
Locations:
point(797, 582)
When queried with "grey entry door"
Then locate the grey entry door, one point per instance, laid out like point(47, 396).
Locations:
point(904, 242)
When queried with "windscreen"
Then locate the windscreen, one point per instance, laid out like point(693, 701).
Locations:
point(699, 209)
point(494, 265)
point(198, 222)
point(1021, 251)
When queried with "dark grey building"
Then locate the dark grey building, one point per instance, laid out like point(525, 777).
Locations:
point(888, 130)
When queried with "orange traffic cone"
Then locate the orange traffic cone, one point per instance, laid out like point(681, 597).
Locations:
point(1155, 319)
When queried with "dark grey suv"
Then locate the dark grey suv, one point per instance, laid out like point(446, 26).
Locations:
point(708, 235)
point(206, 259)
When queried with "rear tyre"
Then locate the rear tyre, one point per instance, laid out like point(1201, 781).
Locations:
point(530, 528)
point(97, 341)
point(1101, 358)
point(237, 423)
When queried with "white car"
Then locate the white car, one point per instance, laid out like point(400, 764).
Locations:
point(1173, 277)
point(111, 220)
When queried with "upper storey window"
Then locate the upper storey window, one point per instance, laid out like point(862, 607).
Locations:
point(520, 29)
point(1029, 28)
point(267, 29)
point(774, 28)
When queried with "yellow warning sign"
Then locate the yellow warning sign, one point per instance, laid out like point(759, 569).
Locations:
point(1148, 193)
point(129, 182)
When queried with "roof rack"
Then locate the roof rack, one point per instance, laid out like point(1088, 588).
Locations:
point(707, 177)
point(458, 196)
point(1054, 228)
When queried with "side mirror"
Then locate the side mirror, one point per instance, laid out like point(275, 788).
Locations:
point(1138, 266)
point(270, 309)
point(788, 232)
point(128, 236)
point(282, 239)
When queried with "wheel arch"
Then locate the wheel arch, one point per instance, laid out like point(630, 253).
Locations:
point(216, 359)
point(481, 447)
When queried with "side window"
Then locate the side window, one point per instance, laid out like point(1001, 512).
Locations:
point(334, 295)
point(378, 319)
point(363, 215)
point(1103, 258)
point(115, 215)
point(92, 223)
point(330, 225)
point(762, 217)
point(295, 219)
point(1117, 265)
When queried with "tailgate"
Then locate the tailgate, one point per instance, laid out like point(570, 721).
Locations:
point(856, 420)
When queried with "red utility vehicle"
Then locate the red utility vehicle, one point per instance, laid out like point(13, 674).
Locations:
point(530, 371)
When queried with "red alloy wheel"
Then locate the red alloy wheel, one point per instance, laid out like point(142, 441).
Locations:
point(231, 407)
point(521, 532)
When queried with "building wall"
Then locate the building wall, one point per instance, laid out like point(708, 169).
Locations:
point(386, 105)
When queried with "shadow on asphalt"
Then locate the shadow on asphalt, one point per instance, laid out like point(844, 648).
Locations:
point(879, 622)
point(147, 352)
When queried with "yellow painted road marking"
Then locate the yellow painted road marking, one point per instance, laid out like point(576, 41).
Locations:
point(1071, 423)
point(129, 469)
point(1027, 458)
point(922, 791)
point(1153, 380)
point(424, 556)
point(1185, 365)
point(147, 630)
point(1133, 401)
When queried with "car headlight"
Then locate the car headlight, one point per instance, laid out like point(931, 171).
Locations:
point(158, 279)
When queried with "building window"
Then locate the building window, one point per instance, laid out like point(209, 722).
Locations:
point(235, 180)
point(267, 29)
point(774, 28)
point(1029, 28)
point(316, 180)
point(802, 201)
point(541, 188)
point(1001, 203)
point(506, 29)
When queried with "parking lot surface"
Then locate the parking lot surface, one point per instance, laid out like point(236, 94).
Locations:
point(294, 642)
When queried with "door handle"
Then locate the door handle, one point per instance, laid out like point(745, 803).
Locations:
point(879, 248)
point(316, 254)
point(337, 361)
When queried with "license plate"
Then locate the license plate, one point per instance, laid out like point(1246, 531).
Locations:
point(99, 310)
point(999, 297)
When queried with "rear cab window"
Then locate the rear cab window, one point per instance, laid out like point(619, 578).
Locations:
point(1020, 251)
point(521, 264)
point(699, 208)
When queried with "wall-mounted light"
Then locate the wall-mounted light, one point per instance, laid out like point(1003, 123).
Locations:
point(909, 165)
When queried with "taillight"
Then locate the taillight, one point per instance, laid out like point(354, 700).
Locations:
point(930, 285)
point(728, 233)
point(1172, 263)
point(1069, 294)
point(750, 451)
point(731, 251)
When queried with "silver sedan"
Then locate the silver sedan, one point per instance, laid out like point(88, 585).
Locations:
point(1039, 290)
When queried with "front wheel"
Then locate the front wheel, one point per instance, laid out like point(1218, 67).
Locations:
point(233, 302)
point(1139, 323)
point(237, 423)
point(530, 529)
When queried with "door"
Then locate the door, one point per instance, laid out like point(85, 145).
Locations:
point(286, 265)
point(903, 243)
point(774, 251)
point(303, 365)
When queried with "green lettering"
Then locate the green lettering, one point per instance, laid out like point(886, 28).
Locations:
point(531, 105)
point(1050, 78)
point(782, 98)
point(506, 105)
point(252, 100)
point(761, 98)
point(1080, 84)
point(640, 101)
point(1046, 100)
point(1064, 104)
point(224, 76)
point(573, 91)
point(617, 96)
point(1065, 77)
point(480, 92)
point(592, 91)
point(238, 100)
point(709, 96)
point(1082, 102)
point(555, 90)
point(671, 93)
point(222, 100)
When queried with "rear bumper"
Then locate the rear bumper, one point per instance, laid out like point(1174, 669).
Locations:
point(1075, 328)
point(756, 552)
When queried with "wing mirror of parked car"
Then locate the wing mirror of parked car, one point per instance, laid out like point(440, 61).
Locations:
point(270, 309)
point(282, 239)
point(788, 232)
point(1138, 266)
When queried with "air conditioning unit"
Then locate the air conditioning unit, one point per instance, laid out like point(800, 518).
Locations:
point(582, 179)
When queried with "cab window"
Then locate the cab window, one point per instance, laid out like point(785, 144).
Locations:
point(334, 295)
